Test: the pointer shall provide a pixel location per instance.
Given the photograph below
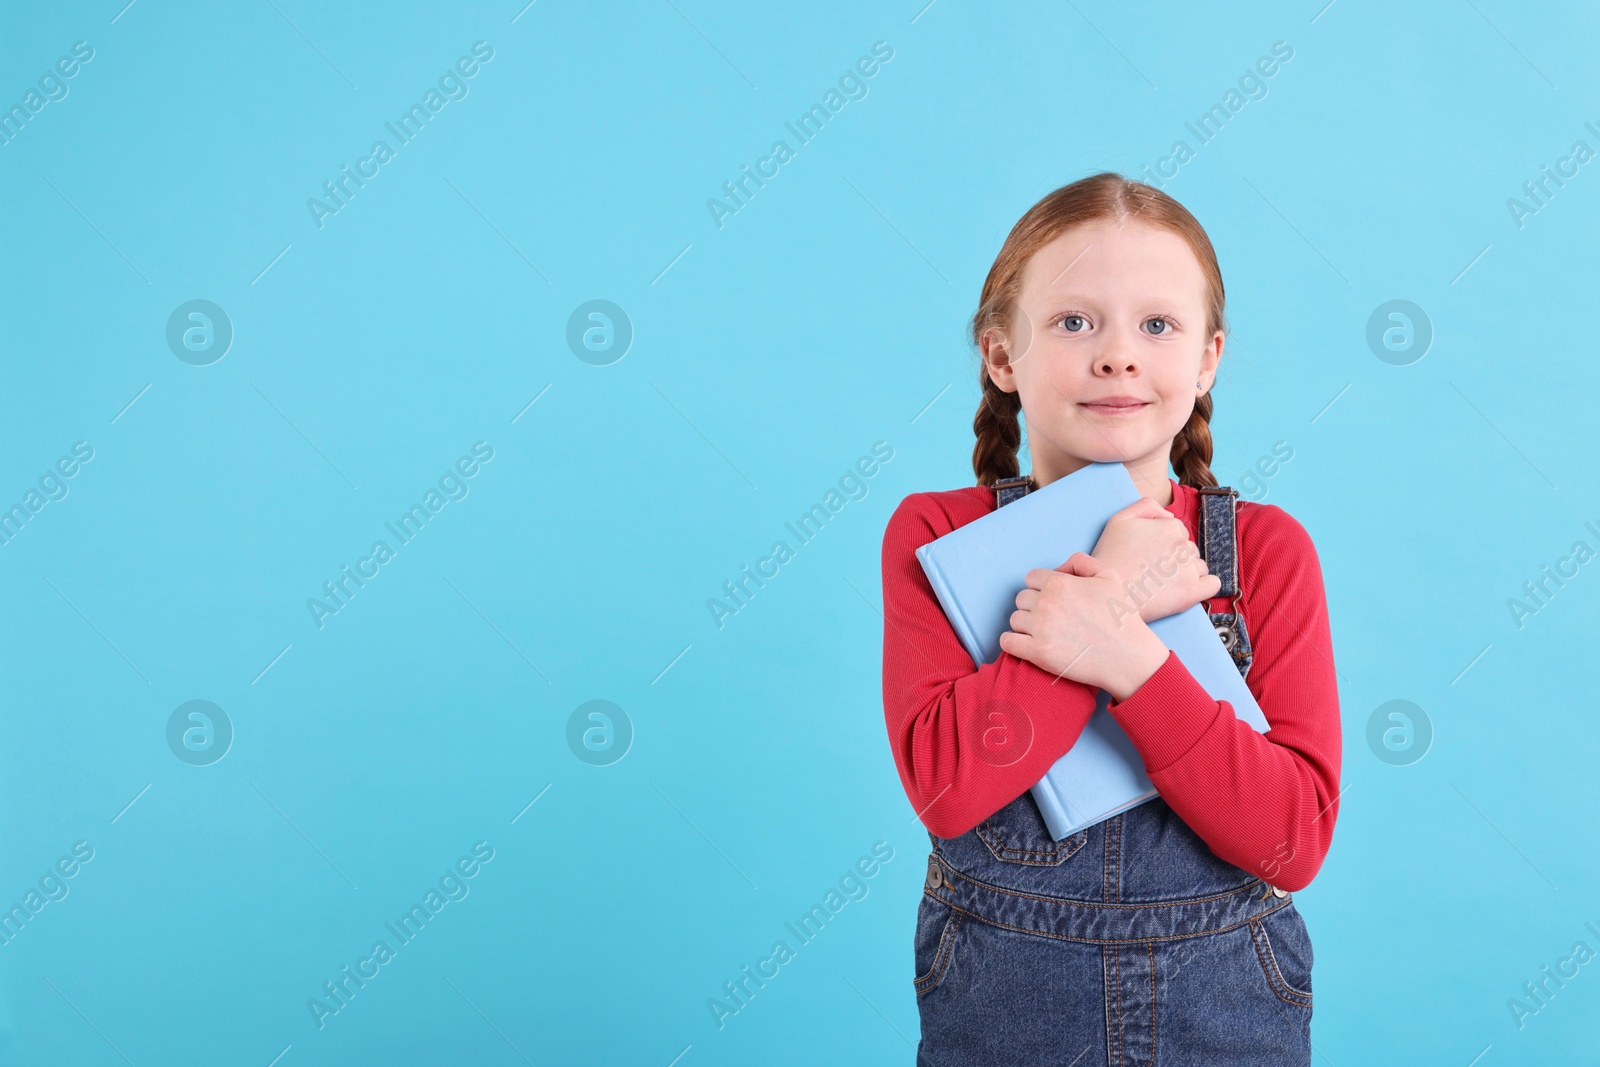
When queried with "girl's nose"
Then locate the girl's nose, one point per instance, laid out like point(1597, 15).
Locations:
point(1114, 361)
point(1117, 354)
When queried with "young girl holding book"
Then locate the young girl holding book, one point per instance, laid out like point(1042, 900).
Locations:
point(1165, 934)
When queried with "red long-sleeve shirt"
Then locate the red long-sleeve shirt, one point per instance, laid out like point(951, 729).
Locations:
point(1263, 802)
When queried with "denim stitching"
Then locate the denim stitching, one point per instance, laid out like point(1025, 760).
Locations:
point(1269, 965)
point(1116, 961)
point(1116, 872)
point(996, 846)
point(1113, 850)
point(1104, 941)
point(1266, 941)
point(951, 872)
point(943, 954)
point(1150, 947)
point(1105, 863)
point(1105, 999)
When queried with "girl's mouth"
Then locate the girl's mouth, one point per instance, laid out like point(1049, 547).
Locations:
point(1118, 408)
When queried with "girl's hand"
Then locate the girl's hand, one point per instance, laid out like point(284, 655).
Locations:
point(1148, 547)
point(1071, 622)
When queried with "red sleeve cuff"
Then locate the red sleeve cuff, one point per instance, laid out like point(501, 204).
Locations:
point(1167, 715)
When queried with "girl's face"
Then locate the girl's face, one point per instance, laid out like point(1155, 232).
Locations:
point(1108, 350)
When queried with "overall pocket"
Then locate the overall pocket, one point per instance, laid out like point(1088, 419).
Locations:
point(1284, 949)
point(1017, 834)
point(937, 926)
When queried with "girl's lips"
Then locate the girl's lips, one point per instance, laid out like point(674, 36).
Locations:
point(1114, 410)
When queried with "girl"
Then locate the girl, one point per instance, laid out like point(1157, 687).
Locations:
point(1165, 934)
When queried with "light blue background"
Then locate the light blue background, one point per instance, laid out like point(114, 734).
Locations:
point(828, 314)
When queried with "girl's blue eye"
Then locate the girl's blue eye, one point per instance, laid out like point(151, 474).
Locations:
point(1165, 326)
point(1066, 319)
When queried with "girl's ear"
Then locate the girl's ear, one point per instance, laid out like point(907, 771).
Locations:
point(997, 360)
point(1209, 358)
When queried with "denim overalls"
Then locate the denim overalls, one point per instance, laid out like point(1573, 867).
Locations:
point(1129, 943)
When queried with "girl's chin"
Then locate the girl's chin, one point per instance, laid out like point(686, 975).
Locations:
point(1110, 447)
point(1113, 438)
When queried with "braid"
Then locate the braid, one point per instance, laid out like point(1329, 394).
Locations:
point(1191, 449)
point(998, 430)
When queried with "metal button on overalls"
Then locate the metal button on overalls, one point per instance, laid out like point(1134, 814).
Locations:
point(1228, 636)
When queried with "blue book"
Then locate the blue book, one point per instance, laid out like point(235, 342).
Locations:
point(977, 571)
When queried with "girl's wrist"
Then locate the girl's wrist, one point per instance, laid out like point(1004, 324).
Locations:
point(1136, 661)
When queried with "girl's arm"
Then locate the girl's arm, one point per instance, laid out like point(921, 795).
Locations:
point(1263, 802)
point(967, 740)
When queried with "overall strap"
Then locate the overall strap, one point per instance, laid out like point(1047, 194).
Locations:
point(1219, 547)
point(1219, 541)
point(1008, 489)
